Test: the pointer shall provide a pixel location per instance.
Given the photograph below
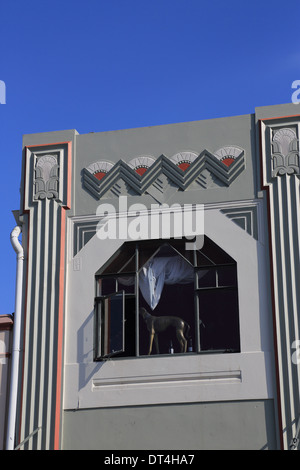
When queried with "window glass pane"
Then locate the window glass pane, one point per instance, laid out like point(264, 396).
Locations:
point(130, 327)
point(206, 278)
point(202, 260)
point(214, 253)
point(126, 283)
point(112, 313)
point(219, 276)
point(129, 265)
point(227, 275)
point(98, 330)
point(108, 285)
point(116, 263)
point(218, 310)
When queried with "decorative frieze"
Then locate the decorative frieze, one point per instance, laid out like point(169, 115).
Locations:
point(156, 177)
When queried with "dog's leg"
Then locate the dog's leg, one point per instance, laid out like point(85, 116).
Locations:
point(151, 336)
point(186, 334)
point(182, 341)
point(156, 343)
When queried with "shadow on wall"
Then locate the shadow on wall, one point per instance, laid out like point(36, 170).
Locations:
point(85, 352)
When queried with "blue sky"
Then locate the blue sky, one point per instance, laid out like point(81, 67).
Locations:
point(99, 65)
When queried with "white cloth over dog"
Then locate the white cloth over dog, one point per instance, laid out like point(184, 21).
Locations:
point(160, 271)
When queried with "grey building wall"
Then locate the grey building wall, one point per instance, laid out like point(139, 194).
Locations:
point(248, 425)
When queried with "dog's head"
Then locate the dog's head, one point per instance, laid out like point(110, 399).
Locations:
point(143, 312)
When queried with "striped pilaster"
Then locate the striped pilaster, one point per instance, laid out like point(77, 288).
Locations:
point(47, 197)
point(280, 177)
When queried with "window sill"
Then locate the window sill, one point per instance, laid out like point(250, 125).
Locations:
point(156, 356)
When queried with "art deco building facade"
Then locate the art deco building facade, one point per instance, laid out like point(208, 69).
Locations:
point(93, 372)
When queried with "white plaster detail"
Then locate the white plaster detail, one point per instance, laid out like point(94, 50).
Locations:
point(143, 161)
point(98, 167)
point(77, 262)
point(183, 157)
point(46, 177)
point(285, 156)
point(228, 152)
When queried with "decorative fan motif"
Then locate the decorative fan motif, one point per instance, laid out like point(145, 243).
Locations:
point(228, 154)
point(99, 169)
point(184, 159)
point(141, 164)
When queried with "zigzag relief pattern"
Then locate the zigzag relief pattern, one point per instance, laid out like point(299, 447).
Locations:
point(245, 217)
point(144, 174)
point(207, 179)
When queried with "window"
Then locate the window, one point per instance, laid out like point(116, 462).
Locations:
point(110, 324)
point(192, 295)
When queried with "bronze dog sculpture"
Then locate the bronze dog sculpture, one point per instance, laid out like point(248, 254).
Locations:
point(157, 325)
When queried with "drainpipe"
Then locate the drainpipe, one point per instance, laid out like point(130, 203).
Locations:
point(13, 395)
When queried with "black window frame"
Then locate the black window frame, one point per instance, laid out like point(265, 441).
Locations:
point(135, 254)
point(102, 324)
